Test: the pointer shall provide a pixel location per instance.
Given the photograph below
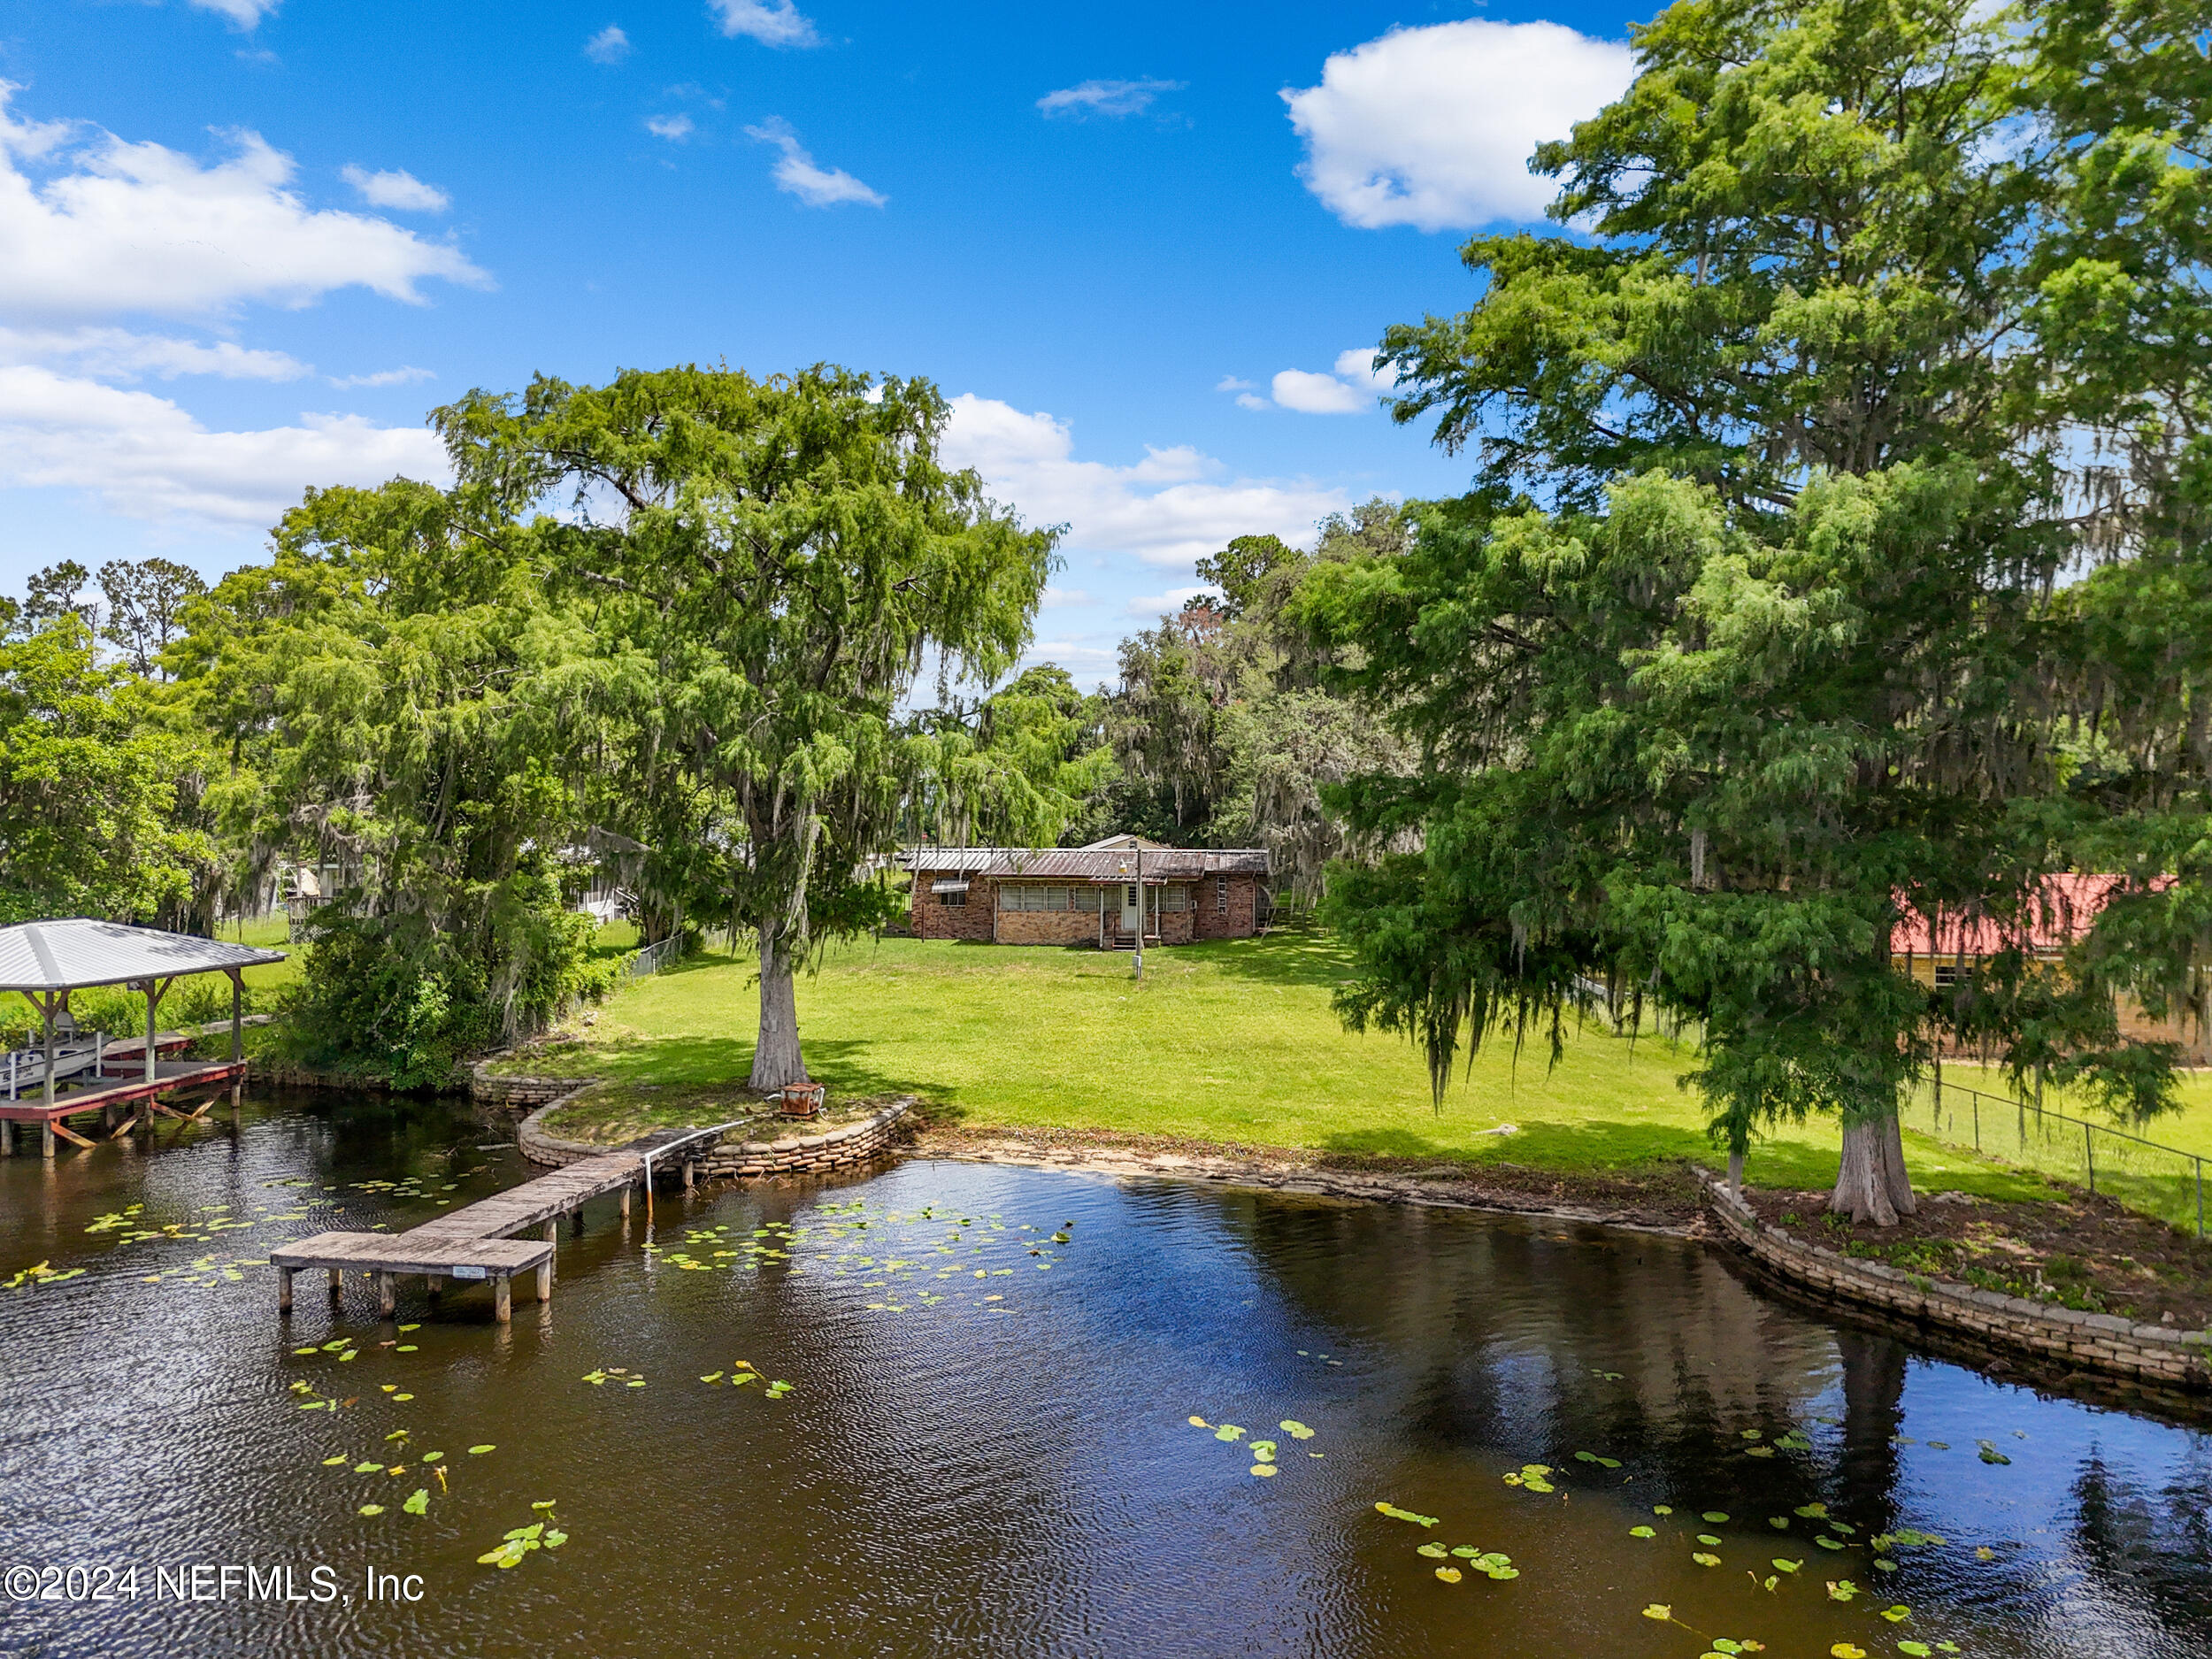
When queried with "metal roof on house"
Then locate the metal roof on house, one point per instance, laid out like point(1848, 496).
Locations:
point(1104, 864)
point(67, 955)
point(2060, 913)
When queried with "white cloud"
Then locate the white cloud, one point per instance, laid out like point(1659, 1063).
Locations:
point(771, 22)
point(796, 173)
point(1351, 388)
point(1433, 126)
point(244, 13)
point(113, 227)
point(1168, 509)
point(1230, 383)
point(1357, 365)
point(395, 189)
point(1166, 604)
point(609, 46)
point(1056, 597)
point(1106, 97)
point(1311, 393)
point(674, 128)
point(113, 354)
point(407, 376)
point(144, 457)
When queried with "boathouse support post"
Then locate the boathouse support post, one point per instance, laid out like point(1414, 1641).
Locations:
point(337, 1283)
point(504, 1299)
point(553, 1238)
point(284, 1289)
point(625, 1203)
point(545, 1280)
point(237, 1015)
point(387, 1298)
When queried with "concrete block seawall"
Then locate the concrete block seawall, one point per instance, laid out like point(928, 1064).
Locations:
point(2099, 1342)
point(842, 1148)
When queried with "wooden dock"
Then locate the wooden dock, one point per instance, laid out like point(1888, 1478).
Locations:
point(476, 1241)
point(135, 1093)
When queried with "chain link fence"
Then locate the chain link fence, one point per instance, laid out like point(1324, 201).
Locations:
point(2154, 1179)
point(653, 959)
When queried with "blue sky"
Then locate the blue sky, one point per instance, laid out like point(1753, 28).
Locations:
point(245, 246)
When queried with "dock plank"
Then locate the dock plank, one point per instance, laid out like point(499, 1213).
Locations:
point(406, 1253)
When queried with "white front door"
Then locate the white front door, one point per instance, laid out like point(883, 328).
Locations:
point(1130, 910)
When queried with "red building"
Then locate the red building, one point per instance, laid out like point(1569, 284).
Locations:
point(1098, 895)
point(1938, 954)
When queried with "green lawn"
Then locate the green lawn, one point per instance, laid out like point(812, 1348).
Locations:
point(1233, 1041)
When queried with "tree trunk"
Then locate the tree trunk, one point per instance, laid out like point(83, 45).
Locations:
point(1872, 1186)
point(776, 1059)
point(1901, 1196)
point(1735, 1171)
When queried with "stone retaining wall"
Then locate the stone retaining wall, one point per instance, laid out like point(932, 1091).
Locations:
point(520, 1091)
point(2098, 1341)
point(840, 1148)
point(542, 1146)
point(809, 1155)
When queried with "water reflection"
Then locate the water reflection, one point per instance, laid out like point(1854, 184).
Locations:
point(1003, 1464)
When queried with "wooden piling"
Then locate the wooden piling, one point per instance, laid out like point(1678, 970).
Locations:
point(625, 1203)
point(337, 1283)
point(503, 1299)
point(553, 1238)
point(284, 1289)
point(387, 1298)
point(46, 1140)
point(545, 1280)
point(576, 1222)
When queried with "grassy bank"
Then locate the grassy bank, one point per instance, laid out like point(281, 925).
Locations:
point(1232, 1042)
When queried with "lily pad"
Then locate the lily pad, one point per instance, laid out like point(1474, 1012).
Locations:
point(1296, 1430)
point(371, 1508)
point(420, 1502)
point(1643, 1531)
point(478, 1451)
point(1704, 1560)
point(1659, 1610)
point(1715, 1515)
point(1450, 1575)
point(1434, 1552)
point(1263, 1471)
point(1397, 1513)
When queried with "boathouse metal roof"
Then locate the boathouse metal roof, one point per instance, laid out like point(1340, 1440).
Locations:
point(67, 955)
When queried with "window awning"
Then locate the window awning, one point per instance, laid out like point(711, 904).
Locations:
point(948, 886)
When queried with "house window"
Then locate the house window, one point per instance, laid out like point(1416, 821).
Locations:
point(1947, 975)
point(1172, 898)
point(1129, 897)
point(1085, 899)
point(1221, 893)
point(953, 900)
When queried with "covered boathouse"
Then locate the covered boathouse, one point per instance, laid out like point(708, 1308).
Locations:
point(71, 1075)
point(1102, 896)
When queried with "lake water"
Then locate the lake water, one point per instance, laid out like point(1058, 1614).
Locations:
point(985, 1447)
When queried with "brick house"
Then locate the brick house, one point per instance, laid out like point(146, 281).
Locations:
point(2067, 908)
point(1094, 895)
